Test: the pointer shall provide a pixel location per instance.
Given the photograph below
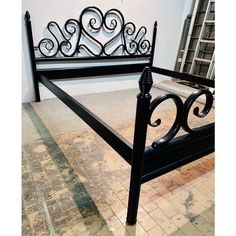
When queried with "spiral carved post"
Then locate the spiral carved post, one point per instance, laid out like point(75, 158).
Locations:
point(32, 56)
point(140, 132)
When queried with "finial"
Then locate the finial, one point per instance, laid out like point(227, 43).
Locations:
point(145, 81)
point(27, 16)
point(155, 24)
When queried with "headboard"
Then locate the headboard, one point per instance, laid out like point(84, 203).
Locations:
point(93, 36)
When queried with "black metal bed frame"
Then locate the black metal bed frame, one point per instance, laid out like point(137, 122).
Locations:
point(165, 154)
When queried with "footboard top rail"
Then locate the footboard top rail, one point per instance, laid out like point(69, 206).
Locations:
point(170, 152)
point(178, 152)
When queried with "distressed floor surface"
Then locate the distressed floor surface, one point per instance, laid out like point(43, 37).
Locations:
point(73, 183)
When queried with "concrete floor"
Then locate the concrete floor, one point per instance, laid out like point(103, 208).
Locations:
point(73, 183)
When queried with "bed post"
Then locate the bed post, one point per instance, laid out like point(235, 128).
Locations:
point(32, 56)
point(140, 132)
point(153, 43)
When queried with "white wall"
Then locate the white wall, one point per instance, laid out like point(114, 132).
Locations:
point(169, 14)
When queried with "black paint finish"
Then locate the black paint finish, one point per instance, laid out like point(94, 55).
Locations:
point(32, 56)
point(165, 154)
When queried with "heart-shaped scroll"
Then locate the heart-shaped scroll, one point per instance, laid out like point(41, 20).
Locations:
point(95, 34)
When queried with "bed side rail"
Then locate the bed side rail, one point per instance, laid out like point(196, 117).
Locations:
point(184, 76)
point(115, 140)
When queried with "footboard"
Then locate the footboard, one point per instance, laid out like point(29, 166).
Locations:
point(168, 152)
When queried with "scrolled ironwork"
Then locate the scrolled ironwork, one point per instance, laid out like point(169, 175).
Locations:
point(81, 36)
point(178, 119)
point(182, 114)
point(196, 111)
point(66, 47)
point(47, 46)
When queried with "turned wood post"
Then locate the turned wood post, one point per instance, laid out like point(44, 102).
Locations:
point(140, 132)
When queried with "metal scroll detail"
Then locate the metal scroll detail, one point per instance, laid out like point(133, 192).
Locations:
point(181, 119)
point(196, 111)
point(95, 34)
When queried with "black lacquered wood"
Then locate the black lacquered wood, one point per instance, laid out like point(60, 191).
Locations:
point(116, 141)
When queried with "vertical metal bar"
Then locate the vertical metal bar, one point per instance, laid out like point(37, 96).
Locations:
point(32, 56)
point(140, 132)
point(153, 43)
